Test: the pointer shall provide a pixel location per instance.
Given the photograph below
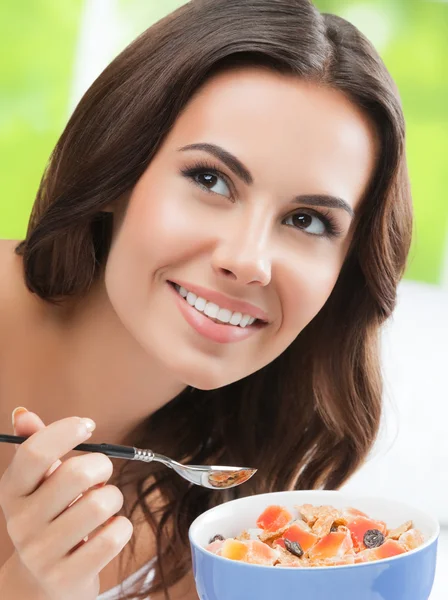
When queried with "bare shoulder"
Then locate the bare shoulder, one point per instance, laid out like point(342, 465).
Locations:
point(12, 288)
point(10, 281)
point(25, 318)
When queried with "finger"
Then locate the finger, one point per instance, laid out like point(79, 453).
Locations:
point(81, 519)
point(38, 453)
point(76, 476)
point(92, 556)
point(26, 424)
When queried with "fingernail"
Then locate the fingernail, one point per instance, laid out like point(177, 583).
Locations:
point(90, 425)
point(98, 485)
point(17, 411)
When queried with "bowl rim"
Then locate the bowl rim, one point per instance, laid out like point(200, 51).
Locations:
point(432, 539)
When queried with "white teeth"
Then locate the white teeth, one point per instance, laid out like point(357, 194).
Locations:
point(213, 311)
point(191, 298)
point(245, 320)
point(224, 315)
point(236, 318)
point(200, 304)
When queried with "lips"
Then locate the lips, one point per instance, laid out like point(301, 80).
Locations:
point(221, 333)
point(232, 304)
point(211, 310)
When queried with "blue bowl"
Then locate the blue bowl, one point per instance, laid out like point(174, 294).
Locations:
point(409, 576)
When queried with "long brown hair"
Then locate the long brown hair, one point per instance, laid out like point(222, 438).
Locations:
point(309, 418)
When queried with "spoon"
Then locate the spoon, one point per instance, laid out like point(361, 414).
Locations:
point(213, 477)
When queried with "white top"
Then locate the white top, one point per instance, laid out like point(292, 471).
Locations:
point(114, 593)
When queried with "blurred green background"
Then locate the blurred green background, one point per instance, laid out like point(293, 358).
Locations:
point(52, 51)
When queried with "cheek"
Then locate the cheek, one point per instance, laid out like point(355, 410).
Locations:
point(164, 227)
point(310, 285)
point(162, 223)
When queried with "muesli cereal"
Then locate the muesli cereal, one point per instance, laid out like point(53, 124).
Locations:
point(317, 536)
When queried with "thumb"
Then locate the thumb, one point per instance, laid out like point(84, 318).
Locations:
point(26, 423)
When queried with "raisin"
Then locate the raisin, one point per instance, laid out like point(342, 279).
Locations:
point(216, 537)
point(373, 538)
point(294, 547)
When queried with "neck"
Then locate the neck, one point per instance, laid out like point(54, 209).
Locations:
point(104, 373)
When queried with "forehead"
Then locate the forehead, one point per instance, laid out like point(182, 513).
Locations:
point(282, 126)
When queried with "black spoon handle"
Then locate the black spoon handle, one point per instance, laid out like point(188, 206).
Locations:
point(114, 450)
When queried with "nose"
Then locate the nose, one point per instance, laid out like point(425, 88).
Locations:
point(243, 255)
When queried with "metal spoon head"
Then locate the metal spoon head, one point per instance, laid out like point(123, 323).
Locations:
point(215, 477)
point(228, 477)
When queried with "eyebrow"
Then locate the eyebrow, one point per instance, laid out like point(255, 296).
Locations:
point(241, 171)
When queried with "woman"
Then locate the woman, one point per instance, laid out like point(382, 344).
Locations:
point(248, 154)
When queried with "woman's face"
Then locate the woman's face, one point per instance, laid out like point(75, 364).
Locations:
point(252, 195)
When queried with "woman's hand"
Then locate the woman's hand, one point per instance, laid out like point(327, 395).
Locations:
point(51, 506)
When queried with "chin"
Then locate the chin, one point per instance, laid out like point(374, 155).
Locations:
point(206, 381)
point(205, 378)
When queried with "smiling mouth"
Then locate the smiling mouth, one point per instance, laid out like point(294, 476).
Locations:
point(244, 320)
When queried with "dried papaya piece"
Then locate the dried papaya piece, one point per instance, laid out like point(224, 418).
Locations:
point(250, 551)
point(333, 545)
point(295, 533)
point(387, 550)
point(359, 526)
point(274, 518)
point(234, 549)
point(261, 554)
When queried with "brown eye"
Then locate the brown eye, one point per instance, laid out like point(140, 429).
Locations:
point(212, 182)
point(303, 221)
point(207, 179)
point(311, 224)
